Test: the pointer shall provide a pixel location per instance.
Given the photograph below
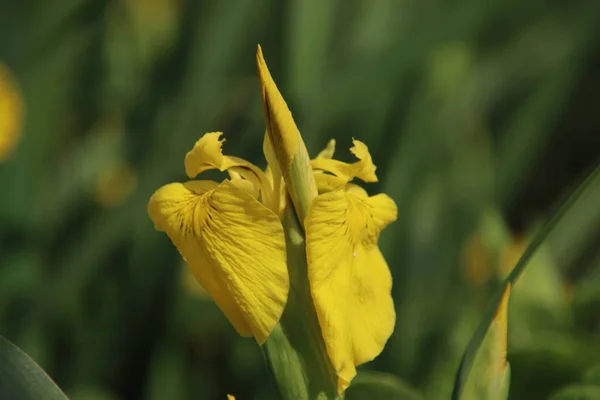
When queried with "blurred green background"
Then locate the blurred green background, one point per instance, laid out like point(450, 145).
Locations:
point(479, 115)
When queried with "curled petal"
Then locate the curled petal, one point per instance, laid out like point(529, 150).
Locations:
point(349, 279)
point(234, 246)
point(363, 169)
point(207, 154)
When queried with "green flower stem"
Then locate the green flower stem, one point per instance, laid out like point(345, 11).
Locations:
point(295, 350)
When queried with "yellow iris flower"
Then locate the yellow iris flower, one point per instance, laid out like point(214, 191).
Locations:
point(231, 235)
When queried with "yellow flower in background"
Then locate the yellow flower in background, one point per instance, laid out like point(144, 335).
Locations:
point(477, 261)
point(350, 282)
point(115, 184)
point(11, 112)
point(230, 235)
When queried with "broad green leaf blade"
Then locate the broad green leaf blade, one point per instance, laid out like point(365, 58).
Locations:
point(478, 337)
point(490, 375)
point(380, 386)
point(21, 378)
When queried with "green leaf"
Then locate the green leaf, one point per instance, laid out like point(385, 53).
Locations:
point(21, 378)
point(471, 354)
point(380, 386)
point(490, 374)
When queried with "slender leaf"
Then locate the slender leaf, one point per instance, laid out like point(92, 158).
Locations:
point(478, 337)
point(21, 378)
point(490, 374)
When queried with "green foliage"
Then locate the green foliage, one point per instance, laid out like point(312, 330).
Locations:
point(380, 386)
point(21, 378)
point(578, 393)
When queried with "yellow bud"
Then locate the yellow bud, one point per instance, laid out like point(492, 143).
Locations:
point(289, 148)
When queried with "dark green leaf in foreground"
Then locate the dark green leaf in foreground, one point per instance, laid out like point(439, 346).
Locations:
point(22, 379)
point(380, 386)
point(470, 357)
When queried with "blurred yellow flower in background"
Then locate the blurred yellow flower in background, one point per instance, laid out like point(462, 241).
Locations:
point(477, 261)
point(115, 184)
point(11, 112)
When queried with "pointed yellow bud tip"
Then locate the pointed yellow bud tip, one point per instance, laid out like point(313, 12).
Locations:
point(282, 130)
point(290, 151)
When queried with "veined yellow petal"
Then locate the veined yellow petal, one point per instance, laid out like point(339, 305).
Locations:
point(234, 245)
point(11, 112)
point(207, 154)
point(363, 169)
point(349, 279)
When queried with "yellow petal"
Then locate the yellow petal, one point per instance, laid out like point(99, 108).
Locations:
point(363, 169)
point(328, 151)
point(233, 244)
point(11, 112)
point(230, 397)
point(327, 183)
point(207, 154)
point(240, 182)
point(349, 279)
